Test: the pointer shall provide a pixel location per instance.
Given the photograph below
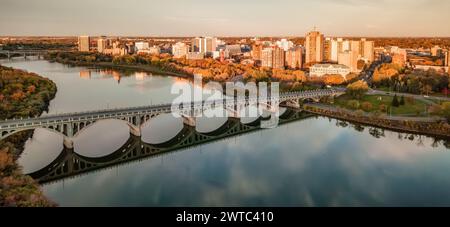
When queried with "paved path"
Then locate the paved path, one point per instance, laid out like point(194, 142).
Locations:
point(398, 118)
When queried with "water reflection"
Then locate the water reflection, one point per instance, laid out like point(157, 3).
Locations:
point(313, 162)
point(41, 150)
point(161, 129)
point(101, 138)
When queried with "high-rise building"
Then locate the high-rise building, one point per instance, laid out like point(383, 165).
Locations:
point(211, 44)
point(278, 58)
point(447, 58)
point(273, 57)
point(327, 50)
point(267, 57)
point(336, 48)
point(180, 50)
point(367, 50)
point(314, 47)
point(204, 44)
point(84, 43)
point(350, 59)
point(436, 51)
point(294, 58)
point(257, 51)
point(196, 44)
point(101, 44)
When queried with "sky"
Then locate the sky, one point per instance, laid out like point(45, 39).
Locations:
point(225, 17)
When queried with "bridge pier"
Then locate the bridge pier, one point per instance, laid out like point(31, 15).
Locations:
point(135, 130)
point(68, 143)
point(189, 121)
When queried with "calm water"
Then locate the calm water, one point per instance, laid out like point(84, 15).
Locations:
point(310, 162)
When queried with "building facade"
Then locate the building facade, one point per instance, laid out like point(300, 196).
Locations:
point(180, 50)
point(294, 58)
point(329, 69)
point(350, 59)
point(195, 56)
point(101, 45)
point(314, 45)
point(84, 43)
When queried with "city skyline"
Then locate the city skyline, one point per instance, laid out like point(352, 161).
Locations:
point(386, 18)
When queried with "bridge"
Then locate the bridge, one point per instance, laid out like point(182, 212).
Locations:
point(72, 124)
point(70, 164)
point(24, 53)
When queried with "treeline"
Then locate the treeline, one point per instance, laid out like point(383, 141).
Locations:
point(411, 81)
point(210, 69)
point(38, 46)
point(23, 94)
point(414, 43)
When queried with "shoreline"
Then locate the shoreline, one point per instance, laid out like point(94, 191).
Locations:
point(370, 122)
point(16, 188)
point(140, 67)
point(420, 128)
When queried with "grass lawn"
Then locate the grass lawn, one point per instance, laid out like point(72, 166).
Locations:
point(412, 107)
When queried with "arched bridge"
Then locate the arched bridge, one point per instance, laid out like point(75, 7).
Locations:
point(70, 164)
point(24, 53)
point(70, 124)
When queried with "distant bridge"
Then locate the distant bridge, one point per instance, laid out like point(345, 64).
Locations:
point(71, 164)
point(23, 53)
point(72, 124)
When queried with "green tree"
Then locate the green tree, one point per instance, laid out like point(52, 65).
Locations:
point(402, 101)
point(445, 110)
point(395, 102)
point(357, 89)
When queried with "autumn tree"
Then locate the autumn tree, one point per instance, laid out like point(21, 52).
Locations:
point(357, 89)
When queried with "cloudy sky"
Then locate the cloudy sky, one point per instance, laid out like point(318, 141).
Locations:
point(225, 17)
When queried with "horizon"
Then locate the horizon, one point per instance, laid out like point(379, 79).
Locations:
point(157, 18)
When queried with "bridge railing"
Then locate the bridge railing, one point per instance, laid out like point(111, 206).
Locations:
point(282, 96)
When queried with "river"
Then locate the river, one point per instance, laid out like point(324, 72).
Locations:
point(314, 161)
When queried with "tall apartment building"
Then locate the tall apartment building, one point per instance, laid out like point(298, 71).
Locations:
point(294, 58)
point(180, 50)
point(257, 51)
point(314, 45)
point(336, 48)
point(367, 50)
point(447, 58)
point(327, 48)
point(350, 59)
point(101, 44)
point(273, 57)
point(267, 57)
point(205, 45)
point(84, 43)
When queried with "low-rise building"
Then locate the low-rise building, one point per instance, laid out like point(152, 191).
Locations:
point(195, 55)
point(180, 50)
point(320, 70)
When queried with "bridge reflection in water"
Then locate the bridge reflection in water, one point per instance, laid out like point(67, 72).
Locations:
point(70, 164)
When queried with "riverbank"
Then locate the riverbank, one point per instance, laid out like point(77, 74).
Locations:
point(427, 126)
point(23, 94)
point(111, 65)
